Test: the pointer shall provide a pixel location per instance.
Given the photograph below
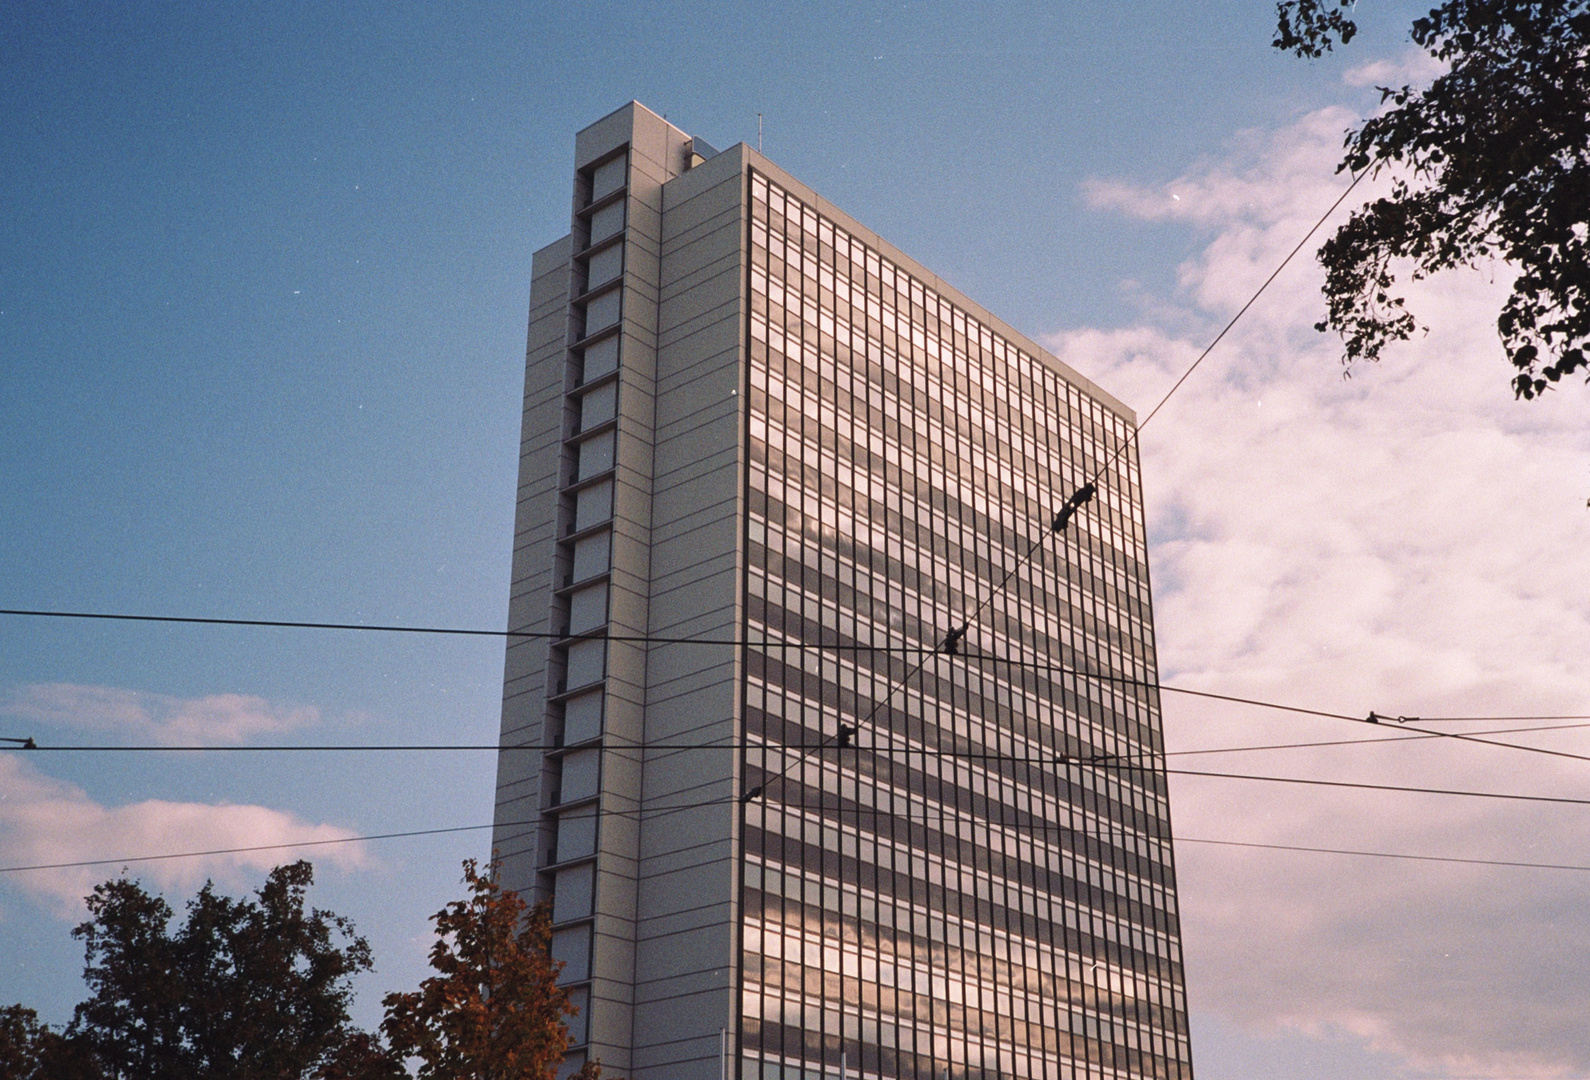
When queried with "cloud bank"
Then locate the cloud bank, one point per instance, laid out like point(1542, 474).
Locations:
point(1411, 541)
point(215, 719)
point(44, 820)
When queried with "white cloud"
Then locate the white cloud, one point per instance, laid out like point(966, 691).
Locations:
point(161, 718)
point(1414, 67)
point(1262, 175)
point(1411, 540)
point(44, 820)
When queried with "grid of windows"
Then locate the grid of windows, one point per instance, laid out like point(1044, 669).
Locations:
point(942, 897)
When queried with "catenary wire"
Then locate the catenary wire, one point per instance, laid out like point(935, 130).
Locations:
point(1087, 491)
point(1404, 723)
point(951, 643)
point(1489, 719)
point(411, 833)
point(419, 833)
point(1227, 328)
point(1411, 736)
point(1072, 504)
point(1077, 499)
point(857, 647)
point(1561, 800)
point(1380, 854)
point(407, 628)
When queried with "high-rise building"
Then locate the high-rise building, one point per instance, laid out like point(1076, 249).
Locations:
point(793, 824)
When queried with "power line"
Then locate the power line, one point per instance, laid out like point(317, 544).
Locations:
point(241, 850)
point(1362, 786)
point(1411, 736)
point(1121, 836)
point(951, 645)
point(1357, 785)
point(407, 628)
point(857, 647)
point(416, 833)
point(1381, 854)
point(1373, 718)
point(1460, 737)
point(411, 833)
point(1152, 684)
point(1227, 328)
point(1083, 495)
point(1486, 719)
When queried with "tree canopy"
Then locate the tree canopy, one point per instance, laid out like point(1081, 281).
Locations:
point(494, 1010)
point(254, 989)
point(30, 1050)
point(259, 989)
point(1491, 160)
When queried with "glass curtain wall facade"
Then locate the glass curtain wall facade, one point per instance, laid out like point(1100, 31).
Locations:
point(954, 893)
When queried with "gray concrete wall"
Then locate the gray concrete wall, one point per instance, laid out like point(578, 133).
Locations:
point(686, 946)
point(667, 429)
point(518, 833)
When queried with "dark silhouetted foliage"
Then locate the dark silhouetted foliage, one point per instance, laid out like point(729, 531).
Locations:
point(30, 1050)
point(1493, 161)
point(243, 990)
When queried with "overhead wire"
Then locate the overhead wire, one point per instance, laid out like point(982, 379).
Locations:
point(1411, 736)
point(1404, 723)
point(1365, 786)
point(726, 801)
point(409, 628)
point(407, 834)
point(927, 650)
point(1233, 322)
point(663, 810)
point(1071, 506)
point(1068, 510)
point(1381, 854)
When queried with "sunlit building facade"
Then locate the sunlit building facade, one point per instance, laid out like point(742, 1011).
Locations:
point(769, 463)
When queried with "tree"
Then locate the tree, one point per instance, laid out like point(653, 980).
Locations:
point(362, 1057)
point(19, 1043)
point(494, 1011)
point(1493, 160)
point(30, 1050)
point(244, 990)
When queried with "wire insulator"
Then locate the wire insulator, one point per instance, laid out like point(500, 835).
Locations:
point(1079, 498)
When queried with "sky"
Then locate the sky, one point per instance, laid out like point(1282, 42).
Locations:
point(264, 272)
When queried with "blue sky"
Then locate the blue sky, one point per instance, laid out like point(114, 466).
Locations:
point(263, 284)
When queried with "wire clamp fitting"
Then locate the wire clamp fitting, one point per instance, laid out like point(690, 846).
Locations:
point(952, 640)
point(1079, 498)
point(752, 795)
point(847, 733)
